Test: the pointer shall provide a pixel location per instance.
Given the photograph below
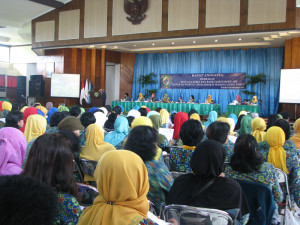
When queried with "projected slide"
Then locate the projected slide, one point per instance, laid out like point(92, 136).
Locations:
point(289, 86)
point(65, 85)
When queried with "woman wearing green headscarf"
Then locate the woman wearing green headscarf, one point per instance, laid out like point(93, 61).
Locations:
point(246, 125)
point(162, 141)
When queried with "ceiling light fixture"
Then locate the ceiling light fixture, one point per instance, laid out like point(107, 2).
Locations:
point(283, 34)
point(194, 42)
point(173, 43)
point(216, 40)
point(134, 45)
point(275, 36)
point(153, 44)
point(268, 39)
point(240, 39)
point(91, 46)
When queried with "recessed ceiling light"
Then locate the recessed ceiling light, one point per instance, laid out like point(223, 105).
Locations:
point(268, 39)
point(134, 45)
point(216, 40)
point(240, 39)
point(282, 34)
point(153, 44)
point(103, 46)
point(91, 46)
point(194, 42)
point(173, 43)
point(275, 36)
point(115, 47)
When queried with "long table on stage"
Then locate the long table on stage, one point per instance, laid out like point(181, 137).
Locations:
point(202, 109)
point(237, 108)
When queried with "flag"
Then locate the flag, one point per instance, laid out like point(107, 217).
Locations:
point(81, 92)
point(89, 93)
point(86, 91)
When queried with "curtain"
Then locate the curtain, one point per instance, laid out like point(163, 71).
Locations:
point(2, 80)
point(12, 81)
point(267, 61)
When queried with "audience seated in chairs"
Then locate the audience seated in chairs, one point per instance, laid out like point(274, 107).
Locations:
point(95, 146)
point(119, 135)
point(141, 140)
point(191, 134)
point(162, 141)
point(207, 186)
point(115, 113)
point(123, 185)
point(24, 200)
point(86, 119)
point(50, 161)
point(282, 158)
point(219, 131)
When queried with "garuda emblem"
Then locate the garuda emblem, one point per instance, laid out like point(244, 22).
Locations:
point(135, 9)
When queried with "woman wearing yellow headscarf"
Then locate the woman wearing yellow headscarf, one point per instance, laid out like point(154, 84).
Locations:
point(141, 97)
point(296, 137)
point(6, 107)
point(94, 146)
point(145, 121)
point(275, 138)
point(23, 109)
point(35, 127)
point(164, 115)
point(122, 182)
point(43, 109)
point(254, 100)
point(209, 100)
point(258, 126)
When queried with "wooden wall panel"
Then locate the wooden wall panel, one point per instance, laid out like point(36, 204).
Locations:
point(267, 11)
point(183, 15)
point(291, 61)
point(95, 18)
point(222, 13)
point(126, 76)
point(45, 31)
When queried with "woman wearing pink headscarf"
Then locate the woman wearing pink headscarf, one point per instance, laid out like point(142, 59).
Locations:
point(12, 151)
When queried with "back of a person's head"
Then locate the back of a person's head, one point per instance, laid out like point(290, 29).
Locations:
point(50, 161)
point(65, 114)
point(12, 119)
point(108, 107)
point(238, 123)
point(142, 141)
point(15, 106)
point(109, 123)
point(172, 117)
point(158, 109)
point(191, 132)
point(191, 112)
point(117, 109)
point(75, 111)
point(87, 119)
point(130, 119)
point(72, 138)
point(271, 120)
point(285, 126)
point(218, 131)
point(285, 115)
point(55, 119)
point(26, 201)
point(143, 111)
point(245, 158)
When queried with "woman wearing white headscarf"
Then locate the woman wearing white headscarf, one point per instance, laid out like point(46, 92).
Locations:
point(100, 119)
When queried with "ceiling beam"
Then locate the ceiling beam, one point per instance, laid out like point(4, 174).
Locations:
point(51, 3)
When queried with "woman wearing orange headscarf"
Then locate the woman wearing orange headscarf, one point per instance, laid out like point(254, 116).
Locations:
point(209, 100)
point(122, 182)
point(296, 137)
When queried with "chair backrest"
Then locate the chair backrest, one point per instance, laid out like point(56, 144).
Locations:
point(187, 215)
point(283, 180)
point(167, 160)
point(176, 174)
point(87, 194)
point(260, 201)
point(88, 166)
point(77, 172)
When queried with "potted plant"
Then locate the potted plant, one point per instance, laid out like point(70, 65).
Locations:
point(253, 81)
point(146, 80)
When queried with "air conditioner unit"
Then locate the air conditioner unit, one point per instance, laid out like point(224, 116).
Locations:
point(2, 92)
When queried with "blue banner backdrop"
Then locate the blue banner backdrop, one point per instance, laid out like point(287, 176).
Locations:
point(203, 81)
point(267, 61)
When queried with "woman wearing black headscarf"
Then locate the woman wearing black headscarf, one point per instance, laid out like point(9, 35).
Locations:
point(208, 187)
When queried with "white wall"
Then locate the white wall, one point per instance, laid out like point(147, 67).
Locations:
point(112, 86)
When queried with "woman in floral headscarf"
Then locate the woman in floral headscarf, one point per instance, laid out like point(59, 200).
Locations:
point(166, 99)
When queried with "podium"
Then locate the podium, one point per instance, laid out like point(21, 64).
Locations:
point(97, 101)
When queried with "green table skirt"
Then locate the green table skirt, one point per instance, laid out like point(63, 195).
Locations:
point(202, 109)
point(237, 108)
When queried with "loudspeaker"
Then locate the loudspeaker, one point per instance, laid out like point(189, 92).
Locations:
point(36, 88)
point(36, 77)
point(21, 89)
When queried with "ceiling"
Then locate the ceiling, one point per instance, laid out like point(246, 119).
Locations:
point(16, 16)
point(15, 20)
